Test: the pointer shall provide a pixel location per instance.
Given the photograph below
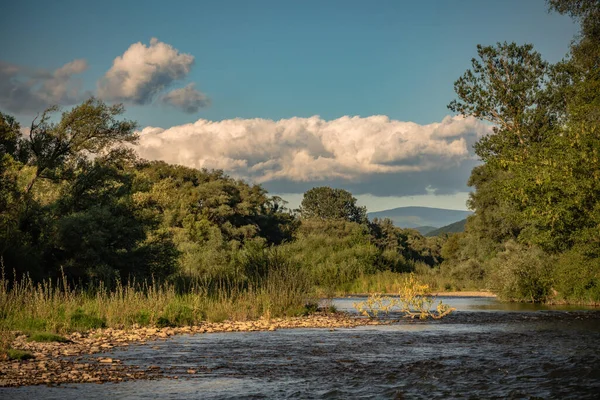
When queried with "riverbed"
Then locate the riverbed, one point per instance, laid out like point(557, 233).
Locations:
point(486, 349)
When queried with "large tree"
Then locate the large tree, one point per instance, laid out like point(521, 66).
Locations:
point(66, 198)
point(327, 203)
point(539, 183)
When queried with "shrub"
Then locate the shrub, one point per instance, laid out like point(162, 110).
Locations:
point(412, 301)
point(521, 273)
point(577, 278)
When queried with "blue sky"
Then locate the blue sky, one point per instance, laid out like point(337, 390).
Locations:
point(280, 60)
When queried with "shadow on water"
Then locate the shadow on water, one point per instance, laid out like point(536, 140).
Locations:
point(484, 350)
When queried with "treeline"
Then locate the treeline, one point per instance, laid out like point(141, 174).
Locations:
point(75, 201)
point(535, 234)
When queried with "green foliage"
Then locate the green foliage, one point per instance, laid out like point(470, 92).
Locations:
point(16, 354)
point(412, 301)
point(164, 322)
point(404, 247)
point(82, 321)
point(61, 211)
point(520, 273)
point(142, 318)
point(46, 337)
point(577, 278)
point(537, 193)
point(333, 252)
point(77, 205)
point(327, 203)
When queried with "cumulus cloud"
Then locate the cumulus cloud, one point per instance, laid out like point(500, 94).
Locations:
point(143, 71)
point(25, 90)
point(187, 99)
point(302, 151)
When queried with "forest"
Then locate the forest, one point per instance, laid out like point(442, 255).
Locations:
point(77, 203)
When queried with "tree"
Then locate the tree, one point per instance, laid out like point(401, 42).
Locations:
point(88, 129)
point(327, 203)
point(540, 181)
point(507, 87)
point(66, 199)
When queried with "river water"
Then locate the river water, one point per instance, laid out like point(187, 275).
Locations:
point(486, 349)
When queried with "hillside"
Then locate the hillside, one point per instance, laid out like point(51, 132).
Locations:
point(456, 227)
point(424, 230)
point(413, 217)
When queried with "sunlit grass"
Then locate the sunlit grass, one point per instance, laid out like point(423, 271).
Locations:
point(60, 308)
point(392, 282)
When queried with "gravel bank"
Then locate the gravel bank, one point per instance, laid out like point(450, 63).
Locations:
point(79, 360)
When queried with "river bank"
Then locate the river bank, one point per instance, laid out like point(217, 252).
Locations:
point(471, 293)
point(77, 360)
point(486, 349)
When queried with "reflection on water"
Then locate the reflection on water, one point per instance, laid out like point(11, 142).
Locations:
point(484, 350)
point(475, 304)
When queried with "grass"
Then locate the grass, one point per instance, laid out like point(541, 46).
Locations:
point(56, 307)
point(15, 354)
point(391, 282)
point(6, 351)
point(46, 337)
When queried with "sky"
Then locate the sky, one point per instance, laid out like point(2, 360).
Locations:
point(286, 94)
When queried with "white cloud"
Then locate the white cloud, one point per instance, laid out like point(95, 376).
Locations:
point(312, 149)
point(188, 99)
point(143, 71)
point(26, 90)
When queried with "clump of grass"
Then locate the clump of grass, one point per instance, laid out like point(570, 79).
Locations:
point(80, 320)
point(16, 354)
point(46, 337)
point(164, 322)
point(142, 318)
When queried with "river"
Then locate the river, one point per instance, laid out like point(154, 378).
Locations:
point(486, 349)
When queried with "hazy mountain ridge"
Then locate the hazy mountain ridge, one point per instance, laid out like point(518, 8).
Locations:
point(458, 226)
point(424, 230)
point(416, 217)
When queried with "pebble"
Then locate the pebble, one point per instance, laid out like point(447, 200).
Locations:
point(59, 363)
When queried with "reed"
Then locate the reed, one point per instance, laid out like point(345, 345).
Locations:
point(56, 306)
point(392, 282)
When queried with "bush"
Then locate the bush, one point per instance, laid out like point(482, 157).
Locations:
point(577, 278)
point(521, 273)
point(412, 301)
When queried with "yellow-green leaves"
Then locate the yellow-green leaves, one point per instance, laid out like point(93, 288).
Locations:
point(412, 301)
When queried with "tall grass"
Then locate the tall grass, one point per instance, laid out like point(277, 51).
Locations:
point(61, 308)
point(392, 282)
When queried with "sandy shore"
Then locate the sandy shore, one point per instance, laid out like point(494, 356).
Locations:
point(77, 361)
point(464, 294)
point(438, 294)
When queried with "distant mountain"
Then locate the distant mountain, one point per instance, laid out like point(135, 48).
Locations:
point(456, 227)
point(424, 230)
point(413, 217)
